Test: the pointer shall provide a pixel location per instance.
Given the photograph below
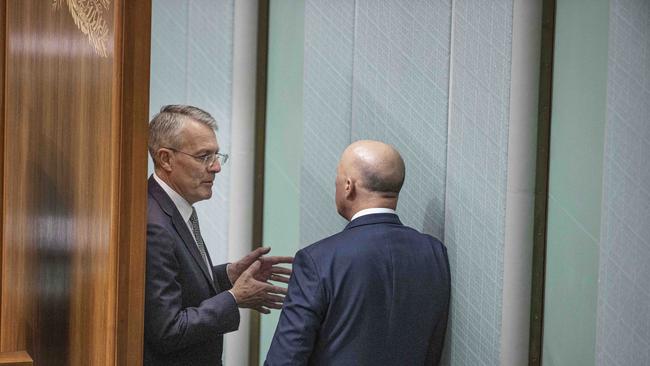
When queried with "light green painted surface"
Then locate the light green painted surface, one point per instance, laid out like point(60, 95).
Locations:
point(575, 182)
point(283, 153)
point(571, 288)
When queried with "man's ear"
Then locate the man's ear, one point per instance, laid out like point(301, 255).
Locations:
point(165, 159)
point(350, 187)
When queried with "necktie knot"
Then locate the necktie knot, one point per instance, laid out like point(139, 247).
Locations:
point(194, 219)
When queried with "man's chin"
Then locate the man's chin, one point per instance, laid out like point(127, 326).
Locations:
point(203, 194)
point(208, 194)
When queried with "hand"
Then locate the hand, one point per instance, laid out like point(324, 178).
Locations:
point(268, 269)
point(254, 294)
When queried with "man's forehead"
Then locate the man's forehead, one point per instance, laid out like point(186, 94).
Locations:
point(195, 133)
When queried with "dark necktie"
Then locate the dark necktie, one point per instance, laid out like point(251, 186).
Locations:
point(194, 220)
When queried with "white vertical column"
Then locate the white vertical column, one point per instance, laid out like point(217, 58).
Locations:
point(520, 194)
point(240, 229)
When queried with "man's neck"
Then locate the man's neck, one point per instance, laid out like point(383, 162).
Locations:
point(371, 204)
point(181, 203)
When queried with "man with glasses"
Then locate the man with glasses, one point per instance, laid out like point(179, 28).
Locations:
point(189, 303)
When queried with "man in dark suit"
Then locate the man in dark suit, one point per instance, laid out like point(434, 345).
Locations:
point(376, 293)
point(189, 303)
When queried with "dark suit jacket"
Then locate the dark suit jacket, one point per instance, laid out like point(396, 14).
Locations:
point(186, 313)
point(376, 293)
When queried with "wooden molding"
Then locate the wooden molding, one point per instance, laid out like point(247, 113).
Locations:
point(130, 113)
point(3, 27)
point(20, 358)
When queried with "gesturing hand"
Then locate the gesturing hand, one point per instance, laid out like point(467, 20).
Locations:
point(268, 269)
point(249, 292)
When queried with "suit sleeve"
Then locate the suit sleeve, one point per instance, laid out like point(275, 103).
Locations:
point(437, 340)
point(168, 325)
point(301, 317)
point(221, 277)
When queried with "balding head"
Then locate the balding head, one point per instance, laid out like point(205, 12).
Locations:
point(370, 174)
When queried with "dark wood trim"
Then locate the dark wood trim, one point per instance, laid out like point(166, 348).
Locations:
point(260, 137)
point(3, 91)
point(131, 110)
point(541, 183)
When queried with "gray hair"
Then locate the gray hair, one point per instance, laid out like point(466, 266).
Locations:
point(165, 127)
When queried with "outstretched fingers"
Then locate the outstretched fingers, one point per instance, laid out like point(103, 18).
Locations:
point(280, 270)
point(262, 310)
point(271, 289)
point(278, 278)
point(279, 259)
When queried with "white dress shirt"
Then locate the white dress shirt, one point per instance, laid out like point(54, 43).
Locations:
point(370, 211)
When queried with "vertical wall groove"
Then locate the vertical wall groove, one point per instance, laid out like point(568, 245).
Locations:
point(541, 183)
point(260, 147)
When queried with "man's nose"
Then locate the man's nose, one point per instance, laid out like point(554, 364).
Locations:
point(215, 167)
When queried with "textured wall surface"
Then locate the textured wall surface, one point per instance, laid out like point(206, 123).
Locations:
point(382, 70)
point(327, 107)
point(191, 63)
point(376, 70)
point(624, 296)
point(477, 177)
point(400, 93)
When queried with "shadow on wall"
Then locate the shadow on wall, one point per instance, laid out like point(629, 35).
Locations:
point(429, 224)
point(422, 199)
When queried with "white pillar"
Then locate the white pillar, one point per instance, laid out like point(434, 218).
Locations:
point(242, 178)
point(520, 195)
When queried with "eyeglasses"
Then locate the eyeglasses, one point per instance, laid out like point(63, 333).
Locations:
point(207, 159)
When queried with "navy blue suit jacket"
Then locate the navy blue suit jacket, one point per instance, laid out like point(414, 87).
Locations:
point(186, 312)
point(376, 293)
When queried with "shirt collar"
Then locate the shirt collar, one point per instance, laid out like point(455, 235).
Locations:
point(370, 211)
point(181, 204)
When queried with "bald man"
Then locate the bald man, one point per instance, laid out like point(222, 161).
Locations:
point(377, 293)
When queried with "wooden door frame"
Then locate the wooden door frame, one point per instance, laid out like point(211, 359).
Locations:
point(130, 121)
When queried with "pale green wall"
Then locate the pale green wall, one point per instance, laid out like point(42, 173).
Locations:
point(283, 153)
point(575, 182)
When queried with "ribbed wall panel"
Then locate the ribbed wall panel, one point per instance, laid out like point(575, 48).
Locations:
point(400, 96)
point(382, 70)
point(476, 178)
point(623, 331)
point(327, 106)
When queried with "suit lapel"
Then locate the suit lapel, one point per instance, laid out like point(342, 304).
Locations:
point(181, 227)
